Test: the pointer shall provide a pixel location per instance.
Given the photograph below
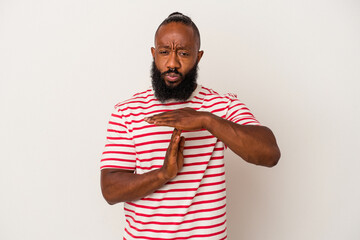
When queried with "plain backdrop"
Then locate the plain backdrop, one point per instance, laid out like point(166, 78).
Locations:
point(65, 64)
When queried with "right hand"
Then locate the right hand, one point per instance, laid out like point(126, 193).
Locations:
point(174, 158)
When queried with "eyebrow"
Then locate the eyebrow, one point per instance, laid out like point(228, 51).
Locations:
point(178, 48)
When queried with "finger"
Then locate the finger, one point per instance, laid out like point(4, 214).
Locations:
point(158, 118)
point(148, 119)
point(164, 118)
point(181, 144)
point(174, 143)
point(176, 132)
point(180, 155)
point(175, 138)
point(169, 123)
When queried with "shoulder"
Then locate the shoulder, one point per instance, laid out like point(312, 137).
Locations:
point(209, 93)
point(137, 99)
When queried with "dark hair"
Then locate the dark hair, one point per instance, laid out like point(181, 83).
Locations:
point(179, 17)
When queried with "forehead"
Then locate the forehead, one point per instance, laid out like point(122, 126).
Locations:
point(175, 33)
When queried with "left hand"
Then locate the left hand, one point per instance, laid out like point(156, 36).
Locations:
point(183, 119)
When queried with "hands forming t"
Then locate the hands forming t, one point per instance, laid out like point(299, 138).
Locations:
point(183, 119)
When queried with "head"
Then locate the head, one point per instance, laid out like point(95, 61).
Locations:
point(176, 55)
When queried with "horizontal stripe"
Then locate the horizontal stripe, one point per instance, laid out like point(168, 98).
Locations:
point(152, 142)
point(176, 223)
point(119, 152)
point(176, 231)
point(138, 107)
point(117, 159)
point(218, 110)
point(250, 122)
point(185, 156)
point(209, 99)
point(175, 214)
point(119, 145)
point(163, 157)
point(152, 133)
point(177, 238)
point(190, 189)
point(215, 104)
point(117, 124)
point(185, 148)
point(177, 206)
point(116, 166)
point(118, 138)
point(182, 198)
point(185, 181)
point(234, 113)
point(214, 175)
point(199, 138)
point(152, 151)
point(116, 131)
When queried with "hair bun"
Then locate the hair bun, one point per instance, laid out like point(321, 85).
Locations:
point(176, 13)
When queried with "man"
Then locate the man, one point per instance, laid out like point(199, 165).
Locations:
point(165, 146)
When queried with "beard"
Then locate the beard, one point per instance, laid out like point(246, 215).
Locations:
point(181, 92)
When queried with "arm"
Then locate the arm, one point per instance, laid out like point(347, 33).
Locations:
point(122, 185)
point(255, 144)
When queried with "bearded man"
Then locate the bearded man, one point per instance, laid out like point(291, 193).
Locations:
point(164, 156)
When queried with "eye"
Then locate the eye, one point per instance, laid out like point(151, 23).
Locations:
point(184, 54)
point(163, 52)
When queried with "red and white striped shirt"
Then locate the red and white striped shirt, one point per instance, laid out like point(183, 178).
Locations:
point(193, 204)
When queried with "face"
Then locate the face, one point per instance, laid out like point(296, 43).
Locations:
point(176, 52)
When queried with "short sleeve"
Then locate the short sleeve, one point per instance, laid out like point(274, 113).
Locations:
point(239, 113)
point(119, 149)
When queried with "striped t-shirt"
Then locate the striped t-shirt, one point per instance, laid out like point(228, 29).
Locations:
point(193, 204)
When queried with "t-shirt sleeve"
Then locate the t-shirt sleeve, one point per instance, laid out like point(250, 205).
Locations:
point(119, 149)
point(239, 113)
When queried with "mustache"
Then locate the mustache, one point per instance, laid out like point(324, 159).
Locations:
point(171, 70)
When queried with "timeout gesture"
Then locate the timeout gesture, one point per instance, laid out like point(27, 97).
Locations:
point(183, 119)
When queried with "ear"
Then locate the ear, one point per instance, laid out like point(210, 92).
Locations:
point(153, 52)
point(199, 56)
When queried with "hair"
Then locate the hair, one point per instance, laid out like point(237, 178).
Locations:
point(181, 18)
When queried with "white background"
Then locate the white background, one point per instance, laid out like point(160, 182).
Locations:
point(65, 64)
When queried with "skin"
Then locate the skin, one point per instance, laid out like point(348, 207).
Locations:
point(176, 46)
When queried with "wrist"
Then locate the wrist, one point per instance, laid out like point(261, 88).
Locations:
point(163, 175)
point(207, 120)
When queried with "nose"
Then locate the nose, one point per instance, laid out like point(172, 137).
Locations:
point(173, 61)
